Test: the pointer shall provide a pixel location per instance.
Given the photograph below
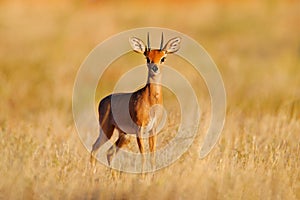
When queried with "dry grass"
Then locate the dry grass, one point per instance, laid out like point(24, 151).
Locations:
point(257, 48)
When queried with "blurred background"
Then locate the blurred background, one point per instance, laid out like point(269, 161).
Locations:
point(255, 44)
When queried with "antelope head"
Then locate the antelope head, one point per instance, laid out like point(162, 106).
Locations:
point(155, 57)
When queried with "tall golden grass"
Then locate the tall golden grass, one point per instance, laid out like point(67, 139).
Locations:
point(256, 46)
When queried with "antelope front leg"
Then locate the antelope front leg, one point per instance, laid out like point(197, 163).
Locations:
point(152, 146)
point(141, 147)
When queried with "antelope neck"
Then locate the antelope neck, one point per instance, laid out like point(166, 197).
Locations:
point(154, 79)
point(154, 85)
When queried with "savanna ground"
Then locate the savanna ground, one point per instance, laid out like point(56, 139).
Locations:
point(256, 46)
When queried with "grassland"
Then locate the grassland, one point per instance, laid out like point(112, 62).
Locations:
point(256, 46)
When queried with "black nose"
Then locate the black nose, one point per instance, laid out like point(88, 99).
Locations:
point(155, 68)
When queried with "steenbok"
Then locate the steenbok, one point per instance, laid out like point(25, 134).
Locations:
point(136, 113)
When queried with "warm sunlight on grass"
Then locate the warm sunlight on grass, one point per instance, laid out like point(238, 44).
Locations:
point(256, 47)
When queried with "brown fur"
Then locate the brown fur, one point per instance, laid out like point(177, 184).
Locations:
point(141, 104)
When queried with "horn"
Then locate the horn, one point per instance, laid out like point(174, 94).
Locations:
point(148, 41)
point(162, 41)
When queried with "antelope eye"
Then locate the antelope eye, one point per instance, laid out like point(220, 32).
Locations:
point(148, 60)
point(163, 60)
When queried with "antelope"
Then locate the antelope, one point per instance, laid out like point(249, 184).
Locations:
point(132, 113)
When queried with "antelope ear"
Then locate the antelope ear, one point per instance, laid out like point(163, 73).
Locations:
point(137, 45)
point(172, 45)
